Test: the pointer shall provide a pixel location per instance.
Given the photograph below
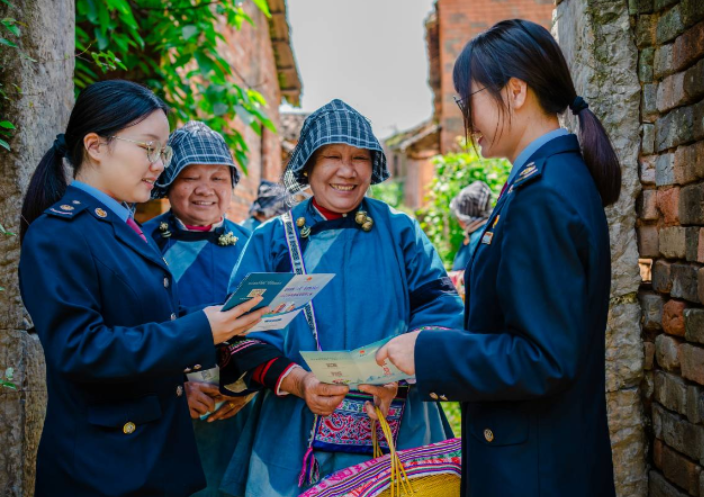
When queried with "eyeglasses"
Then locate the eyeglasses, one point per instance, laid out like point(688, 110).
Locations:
point(460, 101)
point(155, 150)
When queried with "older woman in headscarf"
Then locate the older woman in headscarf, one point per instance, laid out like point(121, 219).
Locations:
point(471, 207)
point(389, 280)
point(272, 200)
point(201, 247)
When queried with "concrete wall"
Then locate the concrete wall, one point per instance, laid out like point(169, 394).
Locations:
point(40, 112)
point(599, 45)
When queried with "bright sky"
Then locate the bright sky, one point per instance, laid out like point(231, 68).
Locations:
point(369, 53)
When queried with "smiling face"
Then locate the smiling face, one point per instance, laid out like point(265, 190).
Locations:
point(340, 176)
point(118, 166)
point(201, 194)
point(489, 124)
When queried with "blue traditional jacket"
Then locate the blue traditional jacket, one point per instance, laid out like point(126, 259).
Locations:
point(388, 281)
point(201, 262)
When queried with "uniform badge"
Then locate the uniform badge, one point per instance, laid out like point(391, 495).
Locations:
point(488, 236)
point(67, 207)
point(100, 212)
point(529, 170)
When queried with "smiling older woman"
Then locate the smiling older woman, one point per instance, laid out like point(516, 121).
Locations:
point(201, 247)
point(389, 280)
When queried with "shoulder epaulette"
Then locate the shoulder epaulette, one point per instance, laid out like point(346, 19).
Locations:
point(67, 209)
point(531, 172)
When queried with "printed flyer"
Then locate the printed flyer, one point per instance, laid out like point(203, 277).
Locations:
point(284, 293)
point(353, 367)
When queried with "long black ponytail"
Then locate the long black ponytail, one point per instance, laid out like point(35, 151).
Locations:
point(104, 108)
point(526, 51)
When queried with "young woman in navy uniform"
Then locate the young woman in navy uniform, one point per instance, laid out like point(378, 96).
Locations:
point(529, 369)
point(106, 308)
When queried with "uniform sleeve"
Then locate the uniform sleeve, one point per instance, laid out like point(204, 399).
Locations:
point(433, 298)
point(542, 292)
point(63, 296)
point(257, 361)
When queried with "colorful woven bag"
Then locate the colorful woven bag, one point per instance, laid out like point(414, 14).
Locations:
point(430, 471)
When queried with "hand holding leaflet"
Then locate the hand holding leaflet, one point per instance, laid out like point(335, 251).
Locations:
point(284, 293)
point(353, 367)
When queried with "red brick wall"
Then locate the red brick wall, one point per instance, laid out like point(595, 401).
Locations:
point(459, 22)
point(670, 40)
point(250, 52)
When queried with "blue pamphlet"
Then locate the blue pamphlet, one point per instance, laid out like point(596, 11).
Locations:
point(284, 293)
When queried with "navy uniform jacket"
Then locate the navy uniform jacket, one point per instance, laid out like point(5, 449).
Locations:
point(530, 370)
point(104, 306)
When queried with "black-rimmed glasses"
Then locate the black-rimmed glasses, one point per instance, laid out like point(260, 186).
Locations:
point(460, 101)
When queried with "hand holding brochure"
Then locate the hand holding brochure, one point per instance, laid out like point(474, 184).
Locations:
point(284, 293)
point(211, 377)
point(353, 367)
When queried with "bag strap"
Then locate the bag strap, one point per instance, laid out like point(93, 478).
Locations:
point(299, 267)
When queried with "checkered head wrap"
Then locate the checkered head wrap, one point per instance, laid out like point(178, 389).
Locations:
point(272, 200)
point(335, 122)
point(472, 203)
point(194, 143)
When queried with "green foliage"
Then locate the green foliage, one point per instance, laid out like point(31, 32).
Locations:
point(9, 31)
point(452, 173)
point(6, 382)
point(390, 192)
point(454, 416)
point(173, 48)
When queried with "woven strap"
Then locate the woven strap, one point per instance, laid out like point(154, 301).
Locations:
point(299, 267)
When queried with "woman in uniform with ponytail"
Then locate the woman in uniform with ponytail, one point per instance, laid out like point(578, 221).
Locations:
point(529, 367)
point(106, 308)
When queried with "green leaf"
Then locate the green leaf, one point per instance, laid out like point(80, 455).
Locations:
point(8, 43)
point(220, 109)
point(189, 31)
point(11, 25)
point(263, 6)
point(5, 145)
point(7, 125)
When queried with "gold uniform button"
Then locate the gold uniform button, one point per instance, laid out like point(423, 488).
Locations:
point(434, 396)
point(488, 435)
point(179, 391)
point(197, 367)
point(173, 317)
point(129, 428)
point(166, 282)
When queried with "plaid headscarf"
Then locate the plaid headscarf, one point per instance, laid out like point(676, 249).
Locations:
point(194, 143)
point(272, 200)
point(472, 203)
point(335, 122)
